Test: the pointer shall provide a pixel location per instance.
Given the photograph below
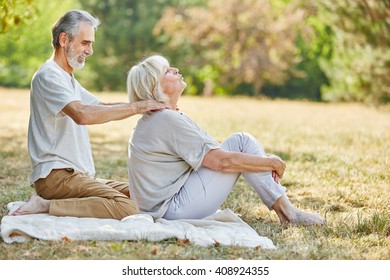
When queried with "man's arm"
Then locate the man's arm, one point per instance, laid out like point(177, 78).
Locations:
point(225, 161)
point(84, 114)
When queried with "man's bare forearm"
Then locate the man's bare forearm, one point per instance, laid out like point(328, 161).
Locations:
point(96, 114)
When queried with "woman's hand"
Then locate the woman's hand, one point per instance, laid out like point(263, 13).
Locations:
point(275, 176)
point(279, 166)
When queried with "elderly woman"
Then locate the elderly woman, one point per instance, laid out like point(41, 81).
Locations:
point(178, 171)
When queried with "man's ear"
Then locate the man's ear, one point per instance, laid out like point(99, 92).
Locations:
point(63, 39)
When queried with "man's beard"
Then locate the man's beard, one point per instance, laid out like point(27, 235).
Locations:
point(72, 60)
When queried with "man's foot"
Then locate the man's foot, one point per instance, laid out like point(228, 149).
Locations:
point(288, 214)
point(34, 205)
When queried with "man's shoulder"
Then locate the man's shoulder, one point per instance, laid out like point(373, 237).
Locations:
point(48, 70)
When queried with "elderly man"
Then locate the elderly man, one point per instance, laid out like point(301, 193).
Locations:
point(58, 141)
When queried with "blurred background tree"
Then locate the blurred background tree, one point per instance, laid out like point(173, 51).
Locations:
point(243, 41)
point(15, 13)
point(124, 37)
point(26, 45)
point(333, 50)
point(359, 68)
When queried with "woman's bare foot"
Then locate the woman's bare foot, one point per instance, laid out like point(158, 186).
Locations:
point(288, 214)
point(34, 205)
point(304, 218)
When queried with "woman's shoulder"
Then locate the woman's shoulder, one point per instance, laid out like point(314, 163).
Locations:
point(167, 114)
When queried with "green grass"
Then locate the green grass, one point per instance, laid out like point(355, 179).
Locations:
point(338, 162)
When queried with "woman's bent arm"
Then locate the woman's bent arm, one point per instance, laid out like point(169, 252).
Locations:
point(225, 161)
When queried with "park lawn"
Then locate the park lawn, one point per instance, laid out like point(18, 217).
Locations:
point(338, 162)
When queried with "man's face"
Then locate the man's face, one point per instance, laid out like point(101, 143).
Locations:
point(81, 46)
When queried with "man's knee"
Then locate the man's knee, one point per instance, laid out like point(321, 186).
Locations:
point(133, 208)
point(129, 208)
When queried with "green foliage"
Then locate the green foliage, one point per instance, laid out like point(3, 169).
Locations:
point(245, 41)
point(208, 75)
point(14, 13)
point(123, 38)
point(360, 64)
point(308, 78)
point(24, 49)
point(320, 50)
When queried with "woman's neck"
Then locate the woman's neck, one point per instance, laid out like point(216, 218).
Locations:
point(172, 104)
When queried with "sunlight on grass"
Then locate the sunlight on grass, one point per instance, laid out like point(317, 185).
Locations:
point(337, 159)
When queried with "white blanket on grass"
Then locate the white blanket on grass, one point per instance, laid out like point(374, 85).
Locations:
point(222, 228)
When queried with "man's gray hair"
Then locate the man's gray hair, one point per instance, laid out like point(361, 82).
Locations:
point(70, 24)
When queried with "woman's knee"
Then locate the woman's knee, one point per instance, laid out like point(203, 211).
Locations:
point(234, 142)
point(243, 142)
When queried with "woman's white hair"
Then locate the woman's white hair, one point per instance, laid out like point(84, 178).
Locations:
point(143, 79)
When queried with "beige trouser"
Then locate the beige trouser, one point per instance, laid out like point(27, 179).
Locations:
point(72, 193)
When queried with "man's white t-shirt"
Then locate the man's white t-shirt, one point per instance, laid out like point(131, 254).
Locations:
point(54, 139)
point(165, 147)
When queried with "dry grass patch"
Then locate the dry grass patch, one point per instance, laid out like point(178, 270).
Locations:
point(338, 164)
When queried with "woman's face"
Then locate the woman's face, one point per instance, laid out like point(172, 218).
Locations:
point(172, 83)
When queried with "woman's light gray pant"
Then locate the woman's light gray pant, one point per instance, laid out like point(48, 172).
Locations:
point(205, 190)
